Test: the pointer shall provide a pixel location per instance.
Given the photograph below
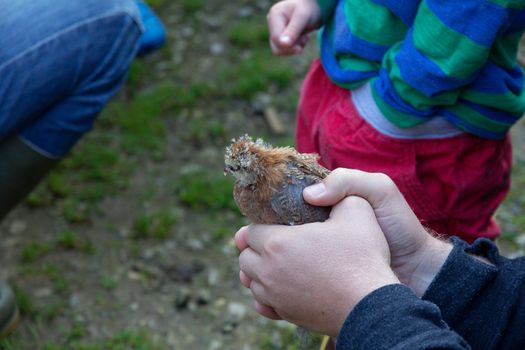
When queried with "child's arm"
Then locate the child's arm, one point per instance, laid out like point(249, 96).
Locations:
point(289, 23)
point(446, 50)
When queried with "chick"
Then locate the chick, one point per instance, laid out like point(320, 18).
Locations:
point(270, 181)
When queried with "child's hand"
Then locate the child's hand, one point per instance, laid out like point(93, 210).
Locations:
point(289, 22)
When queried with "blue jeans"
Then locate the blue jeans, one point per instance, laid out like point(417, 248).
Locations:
point(60, 63)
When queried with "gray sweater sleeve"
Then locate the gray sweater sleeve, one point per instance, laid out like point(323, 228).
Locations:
point(470, 304)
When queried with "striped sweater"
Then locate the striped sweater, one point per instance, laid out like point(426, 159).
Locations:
point(450, 58)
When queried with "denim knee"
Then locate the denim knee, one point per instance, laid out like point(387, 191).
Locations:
point(69, 76)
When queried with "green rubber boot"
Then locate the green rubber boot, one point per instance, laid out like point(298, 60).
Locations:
point(21, 168)
point(9, 315)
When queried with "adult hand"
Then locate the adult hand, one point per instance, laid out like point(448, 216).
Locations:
point(289, 23)
point(314, 274)
point(416, 255)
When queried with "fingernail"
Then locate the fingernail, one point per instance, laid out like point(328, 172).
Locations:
point(315, 190)
point(285, 39)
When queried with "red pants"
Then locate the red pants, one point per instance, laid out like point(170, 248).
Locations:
point(454, 184)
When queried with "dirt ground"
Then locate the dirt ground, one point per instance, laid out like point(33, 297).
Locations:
point(128, 244)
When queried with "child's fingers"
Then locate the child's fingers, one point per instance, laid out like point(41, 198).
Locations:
point(277, 21)
point(294, 29)
point(286, 24)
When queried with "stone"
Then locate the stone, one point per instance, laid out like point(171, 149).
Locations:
point(216, 48)
point(182, 298)
point(235, 312)
point(203, 297)
point(214, 277)
point(17, 227)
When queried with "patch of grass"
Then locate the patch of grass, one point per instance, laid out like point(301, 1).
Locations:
point(96, 164)
point(188, 95)
point(126, 340)
point(222, 226)
point(108, 282)
point(70, 240)
point(247, 34)
point(220, 232)
point(34, 251)
point(204, 190)
point(156, 3)
point(140, 124)
point(76, 332)
point(75, 210)
point(255, 74)
point(52, 309)
point(131, 340)
point(40, 196)
point(137, 73)
point(56, 276)
point(206, 129)
point(26, 306)
point(287, 338)
point(192, 6)
point(82, 179)
point(49, 270)
point(154, 225)
point(139, 120)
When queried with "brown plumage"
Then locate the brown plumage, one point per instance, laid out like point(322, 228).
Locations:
point(270, 181)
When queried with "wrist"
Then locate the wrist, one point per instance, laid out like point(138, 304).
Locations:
point(374, 279)
point(429, 262)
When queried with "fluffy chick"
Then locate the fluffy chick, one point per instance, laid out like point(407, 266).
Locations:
point(270, 181)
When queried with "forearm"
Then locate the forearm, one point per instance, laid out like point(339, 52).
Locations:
point(474, 291)
point(481, 295)
point(393, 317)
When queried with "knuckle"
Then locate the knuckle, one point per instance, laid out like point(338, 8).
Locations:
point(274, 245)
point(386, 182)
point(340, 172)
point(339, 177)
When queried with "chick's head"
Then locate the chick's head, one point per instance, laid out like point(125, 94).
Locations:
point(244, 159)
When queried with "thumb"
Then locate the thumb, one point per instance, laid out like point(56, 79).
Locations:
point(376, 188)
